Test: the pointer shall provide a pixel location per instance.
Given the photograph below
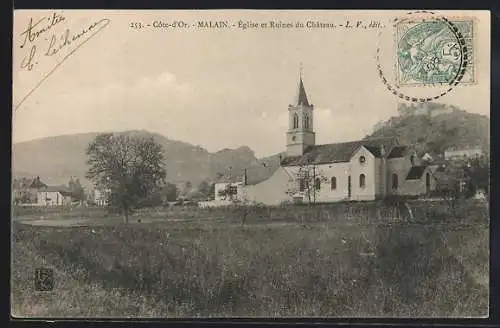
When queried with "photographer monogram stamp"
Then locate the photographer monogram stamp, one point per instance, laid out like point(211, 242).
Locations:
point(44, 279)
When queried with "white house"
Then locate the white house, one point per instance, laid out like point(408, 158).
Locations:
point(53, 196)
point(227, 189)
point(427, 157)
point(100, 197)
point(349, 171)
point(451, 154)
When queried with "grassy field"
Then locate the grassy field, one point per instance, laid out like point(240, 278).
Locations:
point(348, 261)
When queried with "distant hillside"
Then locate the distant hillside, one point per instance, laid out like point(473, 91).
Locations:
point(439, 127)
point(56, 159)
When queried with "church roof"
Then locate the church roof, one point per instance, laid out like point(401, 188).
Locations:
point(255, 178)
point(416, 172)
point(302, 96)
point(374, 150)
point(338, 152)
point(254, 174)
point(398, 151)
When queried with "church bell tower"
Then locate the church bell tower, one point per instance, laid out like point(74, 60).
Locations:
point(300, 134)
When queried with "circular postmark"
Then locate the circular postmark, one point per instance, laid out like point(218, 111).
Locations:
point(430, 51)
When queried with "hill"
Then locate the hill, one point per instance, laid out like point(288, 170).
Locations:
point(433, 128)
point(56, 159)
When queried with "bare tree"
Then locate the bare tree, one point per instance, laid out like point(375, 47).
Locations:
point(130, 167)
point(230, 192)
point(308, 180)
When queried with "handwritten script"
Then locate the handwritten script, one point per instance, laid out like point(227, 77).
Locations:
point(43, 38)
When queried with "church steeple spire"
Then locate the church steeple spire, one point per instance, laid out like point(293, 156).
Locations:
point(301, 95)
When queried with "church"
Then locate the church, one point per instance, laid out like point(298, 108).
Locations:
point(362, 170)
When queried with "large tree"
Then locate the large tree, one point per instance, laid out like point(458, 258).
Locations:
point(170, 192)
point(205, 188)
point(130, 167)
point(478, 173)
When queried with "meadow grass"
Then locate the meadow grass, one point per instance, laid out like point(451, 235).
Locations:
point(339, 265)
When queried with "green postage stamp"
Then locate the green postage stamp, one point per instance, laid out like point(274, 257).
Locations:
point(435, 51)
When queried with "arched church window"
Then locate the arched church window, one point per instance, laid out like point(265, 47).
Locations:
point(395, 181)
point(295, 121)
point(317, 184)
point(362, 181)
point(333, 183)
point(306, 121)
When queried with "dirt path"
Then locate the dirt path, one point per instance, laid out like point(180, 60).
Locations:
point(87, 222)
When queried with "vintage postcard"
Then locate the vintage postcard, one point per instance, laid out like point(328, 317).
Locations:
point(250, 163)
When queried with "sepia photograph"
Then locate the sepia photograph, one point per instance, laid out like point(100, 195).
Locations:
point(250, 164)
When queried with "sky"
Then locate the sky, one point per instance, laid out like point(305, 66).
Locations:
point(217, 88)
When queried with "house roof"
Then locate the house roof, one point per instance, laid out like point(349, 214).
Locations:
point(36, 183)
point(426, 155)
point(416, 172)
point(61, 189)
point(338, 152)
point(254, 175)
point(231, 179)
point(254, 178)
point(302, 96)
point(398, 151)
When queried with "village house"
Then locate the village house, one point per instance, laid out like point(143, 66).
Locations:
point(53, 196)
point(427, 158)
point(360, 170)
point(34, 192)
point(100, 197)
point(24, 190)
point(227, 188)
point(461, 153)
